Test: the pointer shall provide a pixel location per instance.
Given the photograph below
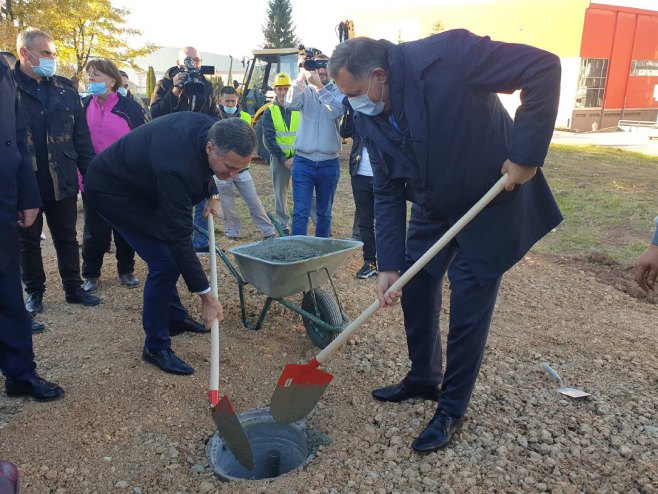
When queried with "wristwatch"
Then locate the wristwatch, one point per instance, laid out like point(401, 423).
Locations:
point(215, 197)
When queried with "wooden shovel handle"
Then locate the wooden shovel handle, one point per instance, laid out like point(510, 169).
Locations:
point(213, 388)
point(342, 338)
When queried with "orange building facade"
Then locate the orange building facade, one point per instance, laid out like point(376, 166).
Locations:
point(618, 77)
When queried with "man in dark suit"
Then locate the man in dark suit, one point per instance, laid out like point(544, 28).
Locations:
point(145, 186)
point(439, 137)
point(60, 145)
point(19, 200)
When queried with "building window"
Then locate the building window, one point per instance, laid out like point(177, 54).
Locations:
point(591, 83)
point(645, 68)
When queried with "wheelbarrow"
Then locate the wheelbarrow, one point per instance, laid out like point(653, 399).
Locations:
point(321, 311)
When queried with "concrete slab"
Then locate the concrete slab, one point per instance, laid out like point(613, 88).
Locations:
point(627, 141)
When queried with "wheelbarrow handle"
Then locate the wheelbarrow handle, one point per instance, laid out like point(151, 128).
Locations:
point(213, 388)
point(498, 187)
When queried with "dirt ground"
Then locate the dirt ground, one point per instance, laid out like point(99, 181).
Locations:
point(125, 426)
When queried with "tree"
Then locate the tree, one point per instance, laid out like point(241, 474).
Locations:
point(150, 81)
point(438, 27)
point(279, 32)
point(81, 30)
point(217, 84)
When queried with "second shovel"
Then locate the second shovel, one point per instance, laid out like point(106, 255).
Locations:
point(301, 386)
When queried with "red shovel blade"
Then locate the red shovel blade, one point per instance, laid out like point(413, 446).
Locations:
point(299, 389)
point(231, 431)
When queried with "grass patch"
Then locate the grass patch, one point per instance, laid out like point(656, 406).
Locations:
point(608, 198)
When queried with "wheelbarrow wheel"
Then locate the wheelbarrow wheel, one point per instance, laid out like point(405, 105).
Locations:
point(327, 311)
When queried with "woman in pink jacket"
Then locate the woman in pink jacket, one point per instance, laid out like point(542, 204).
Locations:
point(110, 115)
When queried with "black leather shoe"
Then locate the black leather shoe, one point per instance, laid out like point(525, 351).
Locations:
point(38, 327)
point(37, 388)
point(438, 433)
point(167, 361)
point(188, 324)
point(128, 280)
point(81, 297)
point(405, 391)
point(34, 304)
point(90, 285)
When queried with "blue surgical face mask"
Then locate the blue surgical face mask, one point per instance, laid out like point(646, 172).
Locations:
point(230, 109)
point(46, 68)
point(122, 91)
point(97, 88)
point(363, 103)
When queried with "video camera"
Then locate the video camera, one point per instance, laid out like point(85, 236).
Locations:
point(310, 63)
point(193, 84)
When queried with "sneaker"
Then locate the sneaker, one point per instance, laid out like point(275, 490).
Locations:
point(368, 270)
point(128, 280)
point(90, 285)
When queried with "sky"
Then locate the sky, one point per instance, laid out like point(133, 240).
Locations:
point(211, 26)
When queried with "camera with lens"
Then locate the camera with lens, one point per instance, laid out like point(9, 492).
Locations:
point(310, 63)
point(192, 83)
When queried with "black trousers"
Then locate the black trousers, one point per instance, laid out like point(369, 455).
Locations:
point(471, 310)
point(96, 239)
point(61, 217)
point(16, 357)
point(364, 200)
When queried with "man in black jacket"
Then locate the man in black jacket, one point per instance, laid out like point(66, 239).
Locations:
point(145, 186)
point(169, 97)
point(19, 200)
point(59, 141)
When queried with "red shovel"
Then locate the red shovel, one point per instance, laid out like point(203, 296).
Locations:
point(301, 386)
point(228, 425)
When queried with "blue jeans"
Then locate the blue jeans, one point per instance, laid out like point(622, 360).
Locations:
point(199, 241)
point(321, 176)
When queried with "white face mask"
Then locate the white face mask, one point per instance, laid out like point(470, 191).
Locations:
point(363, 103)
point(122, 91)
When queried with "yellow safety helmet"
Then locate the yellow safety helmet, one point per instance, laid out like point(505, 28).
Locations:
point(282, 79)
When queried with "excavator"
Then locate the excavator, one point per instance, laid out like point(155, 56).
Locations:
point(256, 92)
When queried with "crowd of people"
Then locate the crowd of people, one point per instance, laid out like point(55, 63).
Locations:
point(426, 127)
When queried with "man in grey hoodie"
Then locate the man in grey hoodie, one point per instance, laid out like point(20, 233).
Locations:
point(315, 166)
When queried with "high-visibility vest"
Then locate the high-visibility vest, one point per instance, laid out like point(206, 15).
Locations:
point(246, 117)
point(285, 137)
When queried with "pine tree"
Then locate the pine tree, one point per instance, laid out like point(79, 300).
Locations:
point(150, 81)
point(279, 32)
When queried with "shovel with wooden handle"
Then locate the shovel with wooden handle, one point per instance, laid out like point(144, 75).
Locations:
point(301, 386)
point(228, 425)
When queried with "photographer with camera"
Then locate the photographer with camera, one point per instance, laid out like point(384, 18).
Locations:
point(184, 88)
point(315, 166)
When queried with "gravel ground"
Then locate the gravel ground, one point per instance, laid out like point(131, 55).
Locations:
point(124, 426)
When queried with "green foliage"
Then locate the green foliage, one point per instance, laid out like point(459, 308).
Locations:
point(81, 30)
point(217, 84)
point(150, 81)
point(279, 32)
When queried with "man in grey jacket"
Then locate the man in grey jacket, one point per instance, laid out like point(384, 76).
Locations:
point(315, 166)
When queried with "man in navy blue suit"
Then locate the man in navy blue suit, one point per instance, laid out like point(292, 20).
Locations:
point(439, 137)
point(19, 206)
point(145, 185)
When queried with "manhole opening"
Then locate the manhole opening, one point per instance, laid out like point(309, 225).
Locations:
point(277, 449)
